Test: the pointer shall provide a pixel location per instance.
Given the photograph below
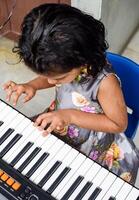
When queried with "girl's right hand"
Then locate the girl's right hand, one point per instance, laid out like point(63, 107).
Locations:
point(14, 91)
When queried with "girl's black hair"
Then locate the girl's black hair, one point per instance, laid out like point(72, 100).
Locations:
point(57, 38)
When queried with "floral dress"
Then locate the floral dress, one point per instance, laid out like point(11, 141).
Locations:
point(114, 151)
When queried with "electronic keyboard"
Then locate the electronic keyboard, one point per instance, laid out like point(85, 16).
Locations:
point(33, 167)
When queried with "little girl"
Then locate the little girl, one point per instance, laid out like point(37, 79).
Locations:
point(66, 48)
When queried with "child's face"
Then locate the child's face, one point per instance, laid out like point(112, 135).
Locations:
point(63, 78)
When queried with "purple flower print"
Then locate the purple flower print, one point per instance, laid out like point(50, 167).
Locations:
point(73, 132)
point(88, 109)
point(93, 155)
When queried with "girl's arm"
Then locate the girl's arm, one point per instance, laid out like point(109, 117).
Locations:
point(114, 119)
point(40, 82)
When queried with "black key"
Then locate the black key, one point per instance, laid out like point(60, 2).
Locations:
point(29, 159)
point(6, 135)
point(112, 198)
point(49, 173)
point(58, 180)
point(1, 122)
point(72, 188)
point(21, 153)
point(10, 144)
point(37, 164)
point(83, 191)
point(95, 194)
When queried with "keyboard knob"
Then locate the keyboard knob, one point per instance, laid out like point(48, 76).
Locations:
point(33, 197)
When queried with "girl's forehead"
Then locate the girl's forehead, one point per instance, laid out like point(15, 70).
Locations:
point(62, 75)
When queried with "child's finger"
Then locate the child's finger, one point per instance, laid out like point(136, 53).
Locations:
point(43, 124)
point(9, 93)
point(52, 127)
point(16, 97)
point(40, 118)
point(8, 84)
point(27, 98)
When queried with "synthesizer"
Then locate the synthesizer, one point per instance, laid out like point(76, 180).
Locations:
point(33, 167)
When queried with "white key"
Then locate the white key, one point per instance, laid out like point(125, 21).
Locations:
point(2, 106)
point(47, 147)
point(59, 157)
point(5, 111)
point(38, 140)
point(53, 151)
point(108, 181)
point(91, 173)
point(74, 166)
point(134, 194)
point(32, 163)
point(8, 119)
point(15, 153)
point(114, 189)
point(34, 136)
point(65, 162)
point(19, 129)
point(80, 172)
point(124, 191)
point(26, 133)
point(15, 122)
point(36, 158)
point(96, 182)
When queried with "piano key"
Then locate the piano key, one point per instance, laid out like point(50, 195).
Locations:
point(37, 164)
point(112, 198)
point(2, 105)
point(14, 124)
point(49, 173)
point(8, 119)
point(74, 166)
point(18, 128)
point(29, 158)
point(53, 151)
point(1, 123)
point(21, 153)
point(6, 135)
point(72, 188)
point(34, 162)
point(114, 189)
point(58, 180)
point(98, 179)
point(32, 138)
point(10, 144)
point(86, 165)
point(39, 140)
point(134, 194)
point(124, 191)
point(108, 181)
point(5, 111)
point(83, 191)
point(25, 156)
point(61, 154)
point(64, 150)
point(7, 123)
point(62, 171)
point(19, 145)
point(95, 194)
point(83, 170)
point(91, 173)
point(46, 146)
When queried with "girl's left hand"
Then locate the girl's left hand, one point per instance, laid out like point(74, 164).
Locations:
point(58, 120)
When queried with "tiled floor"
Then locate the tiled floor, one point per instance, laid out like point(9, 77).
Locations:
point(18, 73)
